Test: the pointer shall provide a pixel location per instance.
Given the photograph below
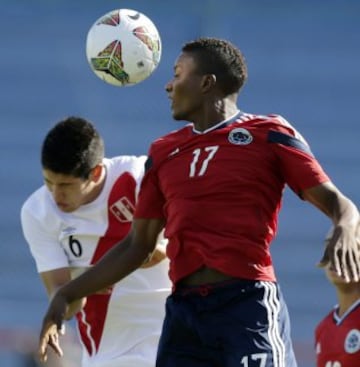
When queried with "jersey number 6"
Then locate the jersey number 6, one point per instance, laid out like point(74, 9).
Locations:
point(75, 246)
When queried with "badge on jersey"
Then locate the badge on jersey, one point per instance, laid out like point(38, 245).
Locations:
point(352, 341)
point(240, 136)
point(123, 210)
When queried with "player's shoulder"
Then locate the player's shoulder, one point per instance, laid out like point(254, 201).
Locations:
point(268, 121)
point(38, 204)
point(124, 162)
point(166, 143)
point(40, 194)
point(131, 165)
point(174, 135)
point(324, 323)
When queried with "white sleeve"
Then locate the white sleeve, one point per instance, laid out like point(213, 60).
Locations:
point(43, 242)
point(133, 164)
point(138, 171)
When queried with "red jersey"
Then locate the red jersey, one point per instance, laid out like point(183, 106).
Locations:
point(337, 339)
point(220, 192)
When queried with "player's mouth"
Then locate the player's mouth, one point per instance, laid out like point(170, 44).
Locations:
point(63, 207)
point(172, 103)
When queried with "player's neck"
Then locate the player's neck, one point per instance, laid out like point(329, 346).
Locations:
point(346, 298)
point(212, 116)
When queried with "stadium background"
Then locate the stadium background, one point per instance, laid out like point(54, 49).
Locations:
point(303, 59)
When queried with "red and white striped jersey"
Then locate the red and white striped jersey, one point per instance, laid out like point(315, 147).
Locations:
point(121, 328)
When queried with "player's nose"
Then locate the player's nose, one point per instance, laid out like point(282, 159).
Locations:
point(168, 87)
point(57, 193)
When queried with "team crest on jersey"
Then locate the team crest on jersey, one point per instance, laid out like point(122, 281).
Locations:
point(123, 209)
point(240, 136)
point(352, 341)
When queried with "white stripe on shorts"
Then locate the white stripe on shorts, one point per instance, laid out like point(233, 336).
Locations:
point(272, 304)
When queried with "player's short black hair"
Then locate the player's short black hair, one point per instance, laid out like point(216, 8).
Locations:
point(72, 147)
point(221, 58)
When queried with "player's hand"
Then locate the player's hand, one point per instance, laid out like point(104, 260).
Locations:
point(52, 327)
point(342, 252)
point(156, 257)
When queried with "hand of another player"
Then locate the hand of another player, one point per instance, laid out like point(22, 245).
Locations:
point(52, 327)
point(157, 256)
point(342, 253)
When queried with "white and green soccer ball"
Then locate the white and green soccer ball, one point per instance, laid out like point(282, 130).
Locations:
point(123, 47)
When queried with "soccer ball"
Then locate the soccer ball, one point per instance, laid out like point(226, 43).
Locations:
point(123, 47)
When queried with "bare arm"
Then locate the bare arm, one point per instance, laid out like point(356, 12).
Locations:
point(119, 262)
point(55, 279)
point(343, 249)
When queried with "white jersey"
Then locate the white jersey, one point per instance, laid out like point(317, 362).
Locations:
point(121, 328)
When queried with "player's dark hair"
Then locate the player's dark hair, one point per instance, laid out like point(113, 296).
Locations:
point(72, 147)
point(221, 58)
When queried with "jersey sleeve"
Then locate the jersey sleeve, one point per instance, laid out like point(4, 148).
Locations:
point(135, 165)
point(300, 168)
point(44, 245)
point(151, 200)
point(139, 172)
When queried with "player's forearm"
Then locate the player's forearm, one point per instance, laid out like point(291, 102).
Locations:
point(340, 209)
point(75, 307)
point(119, 262)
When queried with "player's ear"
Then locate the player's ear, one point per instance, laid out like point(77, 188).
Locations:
point(96, 172)
point(208, 82)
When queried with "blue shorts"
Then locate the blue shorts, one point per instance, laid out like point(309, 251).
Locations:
point(230, 324)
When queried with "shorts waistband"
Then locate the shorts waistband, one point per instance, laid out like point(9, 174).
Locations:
point(205, 289)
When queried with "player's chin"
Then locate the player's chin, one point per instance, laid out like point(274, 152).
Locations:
point(177, 114)
point(66, 208)
point(334, 278)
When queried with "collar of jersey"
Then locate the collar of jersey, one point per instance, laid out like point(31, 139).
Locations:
point(339, 319)
point(219, 125)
